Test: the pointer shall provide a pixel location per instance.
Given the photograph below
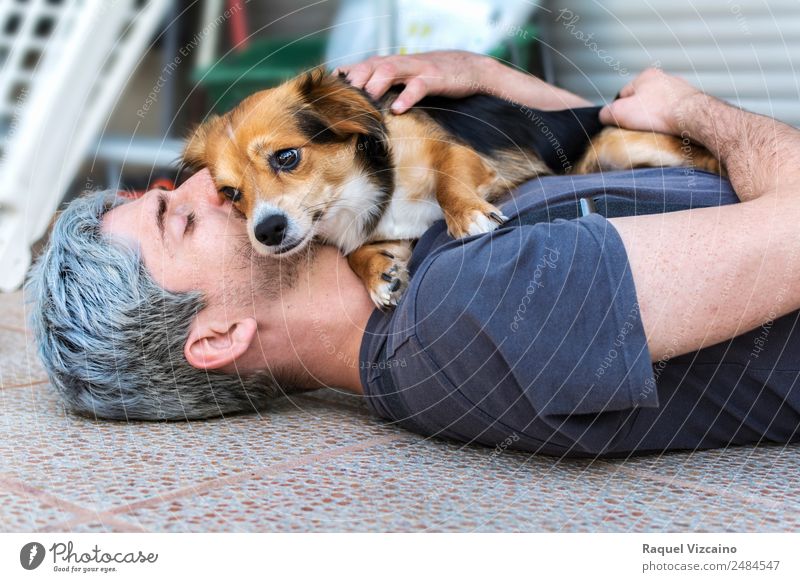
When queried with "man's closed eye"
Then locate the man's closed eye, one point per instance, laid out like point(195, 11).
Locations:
point(191, 221)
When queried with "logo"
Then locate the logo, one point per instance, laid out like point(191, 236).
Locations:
point(31, 555)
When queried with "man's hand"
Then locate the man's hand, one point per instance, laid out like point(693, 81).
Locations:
point(653, 101)
point(450, 73)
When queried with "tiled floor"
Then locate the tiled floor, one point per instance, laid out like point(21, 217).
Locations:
point(320, 462)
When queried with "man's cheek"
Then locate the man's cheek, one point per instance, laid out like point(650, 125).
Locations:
point(183, 271)
point(200, 271)
point(166, 272)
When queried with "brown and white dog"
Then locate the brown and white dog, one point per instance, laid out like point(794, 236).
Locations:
point(317, 158)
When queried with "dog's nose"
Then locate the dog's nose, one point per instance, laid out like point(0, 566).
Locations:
point(271, 230)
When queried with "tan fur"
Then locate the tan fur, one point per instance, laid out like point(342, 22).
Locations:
point(432, 166)
point(413, 144)
point(512, 167)
point(621, 149)
point(464, 181)
point(379, 265)
point(346, 112)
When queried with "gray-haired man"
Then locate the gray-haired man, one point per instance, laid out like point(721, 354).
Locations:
point(158, 309)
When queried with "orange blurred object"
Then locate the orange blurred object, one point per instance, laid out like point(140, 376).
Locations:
point(157, 184)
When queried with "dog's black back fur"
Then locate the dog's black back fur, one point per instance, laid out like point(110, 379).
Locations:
point(489, 125)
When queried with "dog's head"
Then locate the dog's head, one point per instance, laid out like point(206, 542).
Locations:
point(284, 156)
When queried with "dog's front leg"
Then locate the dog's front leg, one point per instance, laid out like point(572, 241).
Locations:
point(463, 184)
point(382, 266)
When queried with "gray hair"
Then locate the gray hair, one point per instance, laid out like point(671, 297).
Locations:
point(112, 339)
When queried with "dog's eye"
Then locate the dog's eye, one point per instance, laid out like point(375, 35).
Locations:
point(285, 160)
point(232, 194)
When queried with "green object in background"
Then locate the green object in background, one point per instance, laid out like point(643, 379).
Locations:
point(262, 65)
point(516, 48)
point(269, 62)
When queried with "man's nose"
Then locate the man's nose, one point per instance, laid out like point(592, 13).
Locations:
point(199, 186)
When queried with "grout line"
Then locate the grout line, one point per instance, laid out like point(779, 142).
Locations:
point(205, 486)
point(123, 526)
point(24, 384)
point(82, 514)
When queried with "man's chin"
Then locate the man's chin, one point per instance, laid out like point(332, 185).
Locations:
point(278, 273)
point(286, 250)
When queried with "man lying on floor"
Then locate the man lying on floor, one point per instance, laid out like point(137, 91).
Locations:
point(604, 334)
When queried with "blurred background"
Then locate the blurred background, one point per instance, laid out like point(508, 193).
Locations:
point(98, 94)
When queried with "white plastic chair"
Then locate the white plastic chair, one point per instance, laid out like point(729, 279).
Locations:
point(64, 65)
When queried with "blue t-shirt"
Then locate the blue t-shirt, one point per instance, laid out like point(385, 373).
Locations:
point(531, 335)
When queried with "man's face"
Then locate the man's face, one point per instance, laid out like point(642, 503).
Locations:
point(189, 239)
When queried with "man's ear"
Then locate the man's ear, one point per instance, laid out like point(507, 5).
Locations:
point(214, 344)
point(343, 109)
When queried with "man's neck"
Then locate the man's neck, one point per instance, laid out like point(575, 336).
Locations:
point(315, 328)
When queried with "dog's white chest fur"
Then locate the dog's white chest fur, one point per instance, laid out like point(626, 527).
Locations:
point(411, 210)
point(354, 207)
point(407, 216)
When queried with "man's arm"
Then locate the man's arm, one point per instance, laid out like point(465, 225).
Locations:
point(455, 74)
point(758, 151)
point(703, 276)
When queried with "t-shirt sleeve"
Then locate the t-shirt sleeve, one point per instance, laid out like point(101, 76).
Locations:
point(535, 327)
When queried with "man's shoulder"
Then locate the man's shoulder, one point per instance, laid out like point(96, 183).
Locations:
point(473, 286)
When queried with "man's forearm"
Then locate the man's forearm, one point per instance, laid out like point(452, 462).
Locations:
point(454, 74)
point(760, 153)
point(706, 275)
point(525, 89)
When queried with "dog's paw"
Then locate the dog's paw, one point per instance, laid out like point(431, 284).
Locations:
point(383, 269)
point(475, 221)
point(388, 280)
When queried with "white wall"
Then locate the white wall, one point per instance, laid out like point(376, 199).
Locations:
point(747, 51)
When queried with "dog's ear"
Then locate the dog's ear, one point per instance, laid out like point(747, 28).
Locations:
point(194, 151)
point(342, 110)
